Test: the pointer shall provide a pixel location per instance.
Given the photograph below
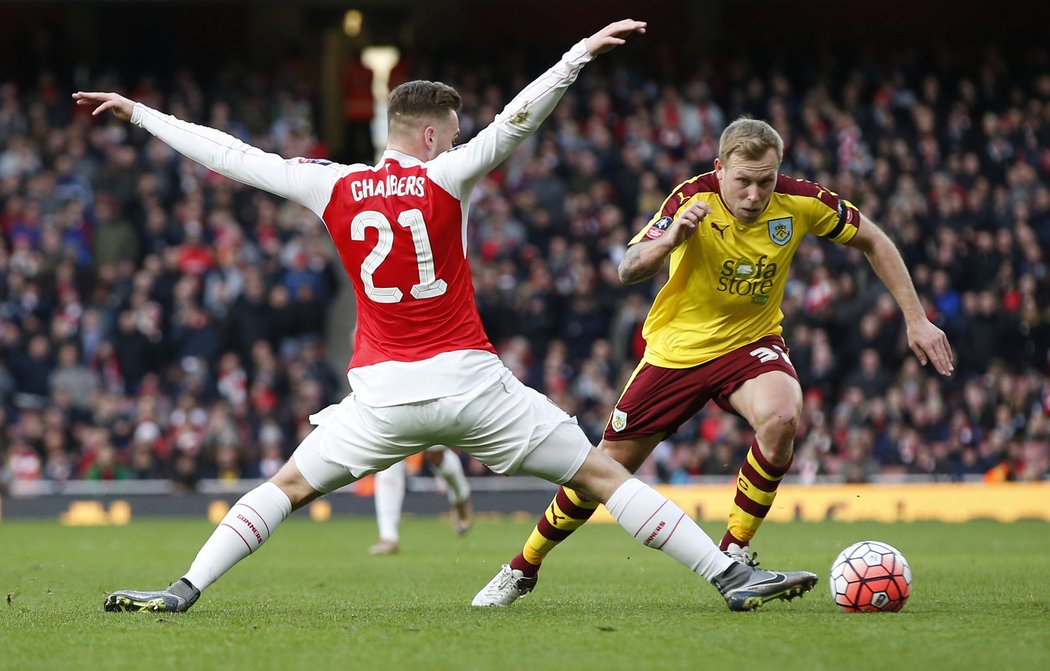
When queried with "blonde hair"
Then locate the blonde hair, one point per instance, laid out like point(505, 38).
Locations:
point(750, 138)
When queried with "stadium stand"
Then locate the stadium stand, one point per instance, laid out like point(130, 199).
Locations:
point(159, 321)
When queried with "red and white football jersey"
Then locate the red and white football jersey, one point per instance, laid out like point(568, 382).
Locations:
point(400, 235)
point(400, 230)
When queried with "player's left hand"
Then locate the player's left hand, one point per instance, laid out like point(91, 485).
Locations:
point(931, 346)
point(121, 106)
point(613, 35)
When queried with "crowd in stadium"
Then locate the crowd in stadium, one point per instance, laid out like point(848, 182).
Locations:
point(160, 321)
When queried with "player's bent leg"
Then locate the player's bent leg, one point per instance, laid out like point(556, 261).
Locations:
point(757, 483)
point(660, 524)
point(772, 404)
point(563, 456)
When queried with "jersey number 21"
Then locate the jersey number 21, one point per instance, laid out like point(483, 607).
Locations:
point(428, 286)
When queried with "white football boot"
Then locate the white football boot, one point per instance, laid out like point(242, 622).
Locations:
point(505, 588)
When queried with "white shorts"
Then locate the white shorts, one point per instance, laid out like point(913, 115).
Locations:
point(502, 423)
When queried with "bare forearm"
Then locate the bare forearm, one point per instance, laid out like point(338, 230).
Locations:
point(645, 258)
point(642, 261)
point(887, 263)
point(928, 342)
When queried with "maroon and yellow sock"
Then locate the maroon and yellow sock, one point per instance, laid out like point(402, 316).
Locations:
point(566, 513)
point(756, 487)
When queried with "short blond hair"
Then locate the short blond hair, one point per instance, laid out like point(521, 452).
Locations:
point(750, 138)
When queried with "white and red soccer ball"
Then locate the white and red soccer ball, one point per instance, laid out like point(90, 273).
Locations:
point(870, 576)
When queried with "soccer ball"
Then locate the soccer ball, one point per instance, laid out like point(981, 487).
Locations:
point(870, 576)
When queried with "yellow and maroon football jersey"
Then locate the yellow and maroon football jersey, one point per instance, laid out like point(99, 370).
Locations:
point(727, 281)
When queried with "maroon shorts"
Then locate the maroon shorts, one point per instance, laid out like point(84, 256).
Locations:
point(659, 400)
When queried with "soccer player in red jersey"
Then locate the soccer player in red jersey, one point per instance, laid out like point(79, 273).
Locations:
point(423, 371)
point(714, 329)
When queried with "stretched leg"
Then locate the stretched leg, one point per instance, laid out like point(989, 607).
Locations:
point(772, 404)
point(654, 403)
point(647, 515)
point(247, 525)
point(569, 510)
point(658, 523)
point(558, 451)
point(389, 497)
point(450, 469)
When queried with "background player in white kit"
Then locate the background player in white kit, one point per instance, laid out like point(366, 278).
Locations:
point(389, 497)
point(423, 371)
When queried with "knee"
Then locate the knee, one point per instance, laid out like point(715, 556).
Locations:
point(778, 424)
point(598, 477)
point(632, 453)
point(295, 487)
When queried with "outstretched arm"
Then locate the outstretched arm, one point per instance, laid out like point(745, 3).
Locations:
point(303, 181)
point(457, 171)
point(926, 340)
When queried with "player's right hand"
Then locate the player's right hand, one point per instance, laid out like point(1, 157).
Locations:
point(685, 225)
point(121, 106)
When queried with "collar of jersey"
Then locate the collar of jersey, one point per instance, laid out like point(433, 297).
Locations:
point(401, 157)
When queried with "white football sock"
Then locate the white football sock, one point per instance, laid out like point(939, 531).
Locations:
point(247, 526)
point(451, 471)
point(660, 524)
point(389, 497)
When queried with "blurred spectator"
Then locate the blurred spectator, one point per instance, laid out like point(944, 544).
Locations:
point(73, 378)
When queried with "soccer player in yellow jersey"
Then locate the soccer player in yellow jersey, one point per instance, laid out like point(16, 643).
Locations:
point(714, 329)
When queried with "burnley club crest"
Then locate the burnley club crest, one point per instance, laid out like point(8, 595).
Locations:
point(781, 231)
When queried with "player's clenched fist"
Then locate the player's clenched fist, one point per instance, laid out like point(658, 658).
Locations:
point(685, 225)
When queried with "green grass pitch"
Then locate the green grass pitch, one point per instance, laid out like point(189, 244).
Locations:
point(314, 599)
